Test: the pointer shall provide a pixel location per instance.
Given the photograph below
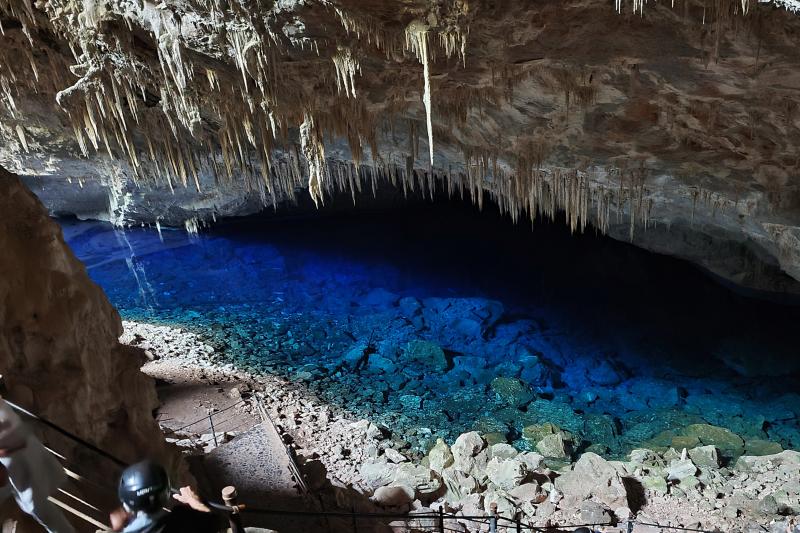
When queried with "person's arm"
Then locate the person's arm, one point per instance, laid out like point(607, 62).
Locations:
point(188, 496)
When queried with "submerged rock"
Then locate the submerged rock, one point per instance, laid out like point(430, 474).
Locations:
point(427, 353)
point(536, 432)
point(724, 439)
point(761, 447)
point(512, 391)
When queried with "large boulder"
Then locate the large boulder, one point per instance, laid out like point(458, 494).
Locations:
point(761, 447)
point(725, 440)
point(393, 496)
point(763, 463)
point(458, 484)
point(592, 477)
point(512, 391)
point(506, 473)
point(536, 432)
point(429, 354)
point(468, 445)
point(378, 473)
point(423, 480)
point(554, 446)
point(705, 456)
point(440, 456)
point(681, 469)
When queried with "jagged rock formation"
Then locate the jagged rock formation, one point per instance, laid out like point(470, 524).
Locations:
point(677, 116)
point(59, 348)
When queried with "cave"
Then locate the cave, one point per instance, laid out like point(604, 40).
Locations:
point(537, 262)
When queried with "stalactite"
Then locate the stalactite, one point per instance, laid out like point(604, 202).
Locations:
point(314, 152)
point(346, 67)
point(417, 42)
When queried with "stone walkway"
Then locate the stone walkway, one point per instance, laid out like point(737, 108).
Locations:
point(257, 465)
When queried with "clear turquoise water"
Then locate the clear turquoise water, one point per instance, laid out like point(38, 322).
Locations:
point(607, 341)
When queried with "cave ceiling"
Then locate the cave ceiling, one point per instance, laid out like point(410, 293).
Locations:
point(672, 124)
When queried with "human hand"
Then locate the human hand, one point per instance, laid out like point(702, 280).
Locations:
point(118, 517)
point(189, 497)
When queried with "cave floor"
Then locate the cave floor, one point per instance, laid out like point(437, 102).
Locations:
point(433, 323)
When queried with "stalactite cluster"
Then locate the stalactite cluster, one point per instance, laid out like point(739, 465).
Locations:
point(243, 92)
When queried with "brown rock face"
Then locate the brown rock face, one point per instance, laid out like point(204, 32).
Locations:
point(59, 348)
point(681, 116)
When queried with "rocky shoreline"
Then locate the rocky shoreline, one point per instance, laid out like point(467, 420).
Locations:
point(689, 486)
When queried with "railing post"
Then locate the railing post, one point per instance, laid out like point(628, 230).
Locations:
point(630, 525)
point(519, 524)
point(229, 496)
point(493, 518)
point(211, 421)
point(355, 523)
point(441, 519)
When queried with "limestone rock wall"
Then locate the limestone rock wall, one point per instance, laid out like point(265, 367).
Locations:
point(59, 348)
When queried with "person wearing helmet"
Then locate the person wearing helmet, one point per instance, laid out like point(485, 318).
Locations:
point(144, 492)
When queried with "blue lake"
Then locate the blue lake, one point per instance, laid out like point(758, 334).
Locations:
point(434, 321)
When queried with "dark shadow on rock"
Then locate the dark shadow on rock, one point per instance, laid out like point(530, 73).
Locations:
point(635, 491)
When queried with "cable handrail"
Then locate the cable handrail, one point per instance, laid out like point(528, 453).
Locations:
point(492, 519)
point(240, 402)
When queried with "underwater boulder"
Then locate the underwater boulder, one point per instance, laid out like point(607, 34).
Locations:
point(758, 447)
point(724, 439)
point(426, 353)
point(604, 374)
point(600, 429)
point(536, 432)
point(379, 363)
point(558, 412)
point(379, 298)
point(534, 371)
point(511, 391)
